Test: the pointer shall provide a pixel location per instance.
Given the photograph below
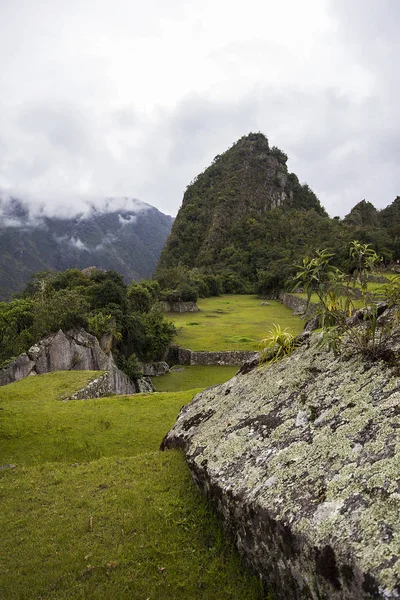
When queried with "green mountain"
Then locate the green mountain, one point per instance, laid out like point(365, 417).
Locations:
point(127, 241)
point(246, 217)
point(248, 222)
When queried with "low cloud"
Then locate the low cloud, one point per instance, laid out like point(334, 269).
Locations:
point(128, 220)
point(73, 242)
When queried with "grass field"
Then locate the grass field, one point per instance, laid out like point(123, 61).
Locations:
point(91, 509)
point(234, 322)
point(188, 377)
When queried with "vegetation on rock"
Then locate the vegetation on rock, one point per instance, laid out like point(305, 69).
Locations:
point(345, 328)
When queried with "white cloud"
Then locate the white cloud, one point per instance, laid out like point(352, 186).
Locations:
point(133, 99)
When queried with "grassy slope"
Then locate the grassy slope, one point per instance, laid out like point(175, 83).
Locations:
point(93, 510)
point(233, 322)
point(186, 378)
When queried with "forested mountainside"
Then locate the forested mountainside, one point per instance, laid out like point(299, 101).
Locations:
point(127, 241)
point(249, 221)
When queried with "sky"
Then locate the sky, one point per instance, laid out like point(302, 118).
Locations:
point(134, 99)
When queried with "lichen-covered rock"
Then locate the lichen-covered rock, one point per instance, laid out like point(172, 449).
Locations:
point(302, 460)
point(144, 385)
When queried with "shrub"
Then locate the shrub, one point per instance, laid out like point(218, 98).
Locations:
point(344, 327)
point(277, 344)
point(133, 367)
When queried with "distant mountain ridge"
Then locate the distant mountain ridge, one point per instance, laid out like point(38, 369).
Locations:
point(128, 241)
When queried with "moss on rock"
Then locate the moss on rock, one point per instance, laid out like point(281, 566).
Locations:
point(302, 460)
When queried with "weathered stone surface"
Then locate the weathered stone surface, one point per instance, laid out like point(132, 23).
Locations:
point(16, 369)
point(312, 323)
point(184, 356)
point(155, 369)
point(94, 389)
point(181, 307)
point(301, 458)
point(297, 304)
point(74, 350)
point(144, 385)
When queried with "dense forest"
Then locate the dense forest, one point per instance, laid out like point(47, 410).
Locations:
point(97, 300)
point(246, 222)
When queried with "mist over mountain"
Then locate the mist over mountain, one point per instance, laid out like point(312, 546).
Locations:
point(123, 234)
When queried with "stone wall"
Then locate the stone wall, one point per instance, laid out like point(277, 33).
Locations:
point(181, 307)
point(297, 304)
point(184, 356)
point(111, 382)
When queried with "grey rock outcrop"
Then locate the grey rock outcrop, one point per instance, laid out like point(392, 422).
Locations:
point(75, 350)
point(155, 369)
point(17, 369)
point(301, 459)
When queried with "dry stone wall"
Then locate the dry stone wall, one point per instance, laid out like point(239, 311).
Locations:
point(181, 307)
point(184, 356)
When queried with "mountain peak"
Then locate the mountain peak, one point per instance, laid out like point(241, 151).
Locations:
point(248, 181)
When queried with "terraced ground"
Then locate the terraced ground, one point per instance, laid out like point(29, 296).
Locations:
point(92, 509)
point(231, 322)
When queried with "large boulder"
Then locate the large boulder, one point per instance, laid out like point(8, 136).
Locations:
point(75, 350)
point(301, 458)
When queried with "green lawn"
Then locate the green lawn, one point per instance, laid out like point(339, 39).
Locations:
point(188, 377)
point(231, 322)
point(91, 509)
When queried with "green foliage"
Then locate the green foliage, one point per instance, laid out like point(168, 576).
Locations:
point(100, 302)
point(277, 344)
point(140, 298)
point(99, 324)
point(279, 155)
point(133, 367)
point(16, 320)
point(365, 259)
point(363, 333)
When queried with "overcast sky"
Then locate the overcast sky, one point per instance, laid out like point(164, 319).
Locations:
point(135, 98)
